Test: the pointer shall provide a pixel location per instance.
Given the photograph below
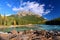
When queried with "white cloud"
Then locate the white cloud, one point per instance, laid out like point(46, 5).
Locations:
point(9, 5)
point(33, 7)
point(45, 18)
point(16, 9)
point(6, 14)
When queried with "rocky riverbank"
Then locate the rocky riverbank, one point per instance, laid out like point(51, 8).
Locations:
point(30, 35)
point(28, 25)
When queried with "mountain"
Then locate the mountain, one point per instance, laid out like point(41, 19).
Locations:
point(54, 22)
point(25, 13)
point(22, 18)
point(28, 18)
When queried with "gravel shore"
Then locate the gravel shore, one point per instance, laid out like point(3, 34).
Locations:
point(30, 35)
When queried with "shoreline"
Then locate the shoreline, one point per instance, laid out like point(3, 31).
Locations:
point(30, 35)
point(2, 26)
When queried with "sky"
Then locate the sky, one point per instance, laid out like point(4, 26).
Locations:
point(49, 9)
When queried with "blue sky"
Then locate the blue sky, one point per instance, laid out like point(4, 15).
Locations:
point(49, 9)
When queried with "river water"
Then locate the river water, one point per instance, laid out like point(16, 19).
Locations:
point(36, 27)
point(51, 27)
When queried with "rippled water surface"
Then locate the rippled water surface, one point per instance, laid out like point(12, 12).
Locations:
point(36, 27)
point(51, 27)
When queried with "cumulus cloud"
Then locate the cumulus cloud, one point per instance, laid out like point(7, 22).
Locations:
point(33, 7)
point(9, 5)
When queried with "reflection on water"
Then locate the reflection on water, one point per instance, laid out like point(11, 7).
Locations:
point(36, 27)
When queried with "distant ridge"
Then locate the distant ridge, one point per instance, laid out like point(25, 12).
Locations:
point(54, 22)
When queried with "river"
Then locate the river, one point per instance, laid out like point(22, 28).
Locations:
point(36, 27)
